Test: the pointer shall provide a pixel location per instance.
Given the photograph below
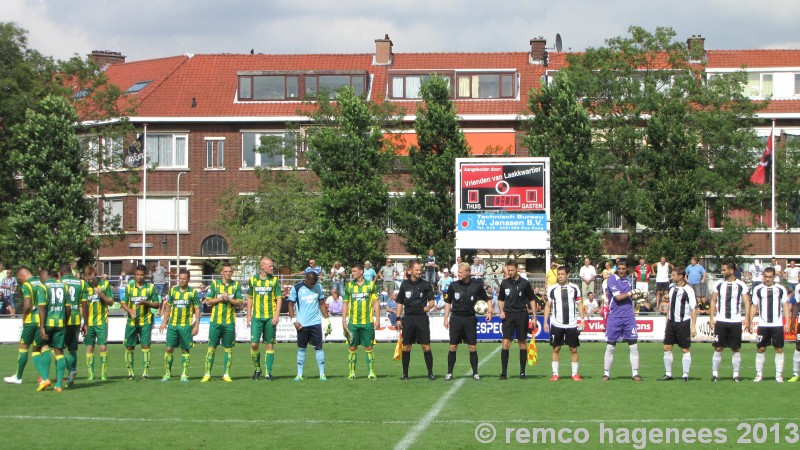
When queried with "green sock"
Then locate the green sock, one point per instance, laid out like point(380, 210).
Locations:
point(61, 364)
point(270, 356)
point(103, 363)
point(47, 356)
point(370, 360)
point(228, 360)
point(255, 355)
point(38, 362)
point(72, 360)
point(351, 361)
point(146, 360)
point(90, 364)
point(129, 361)
point(210, 359)
point(22, 360)
point(168, 363)
point(185, 360)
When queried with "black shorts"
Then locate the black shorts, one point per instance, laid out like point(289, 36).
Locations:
point(769, 336)
point(310, 334)
point(416, 330)
point(662, 286)
point(463, 329)
point(679, 333)
point(560, 335)
point(727, 335)
point(516, 322)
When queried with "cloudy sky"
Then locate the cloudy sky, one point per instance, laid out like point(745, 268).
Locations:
point(143, 29)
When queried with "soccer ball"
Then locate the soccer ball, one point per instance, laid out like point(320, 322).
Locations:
point(639, 295)
point(481, 307)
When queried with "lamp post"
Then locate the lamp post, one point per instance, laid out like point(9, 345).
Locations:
point(178, 226)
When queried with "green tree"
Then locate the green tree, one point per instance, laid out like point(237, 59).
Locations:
point(560, 129)
point(52, 220)
point(668, 138)
point(349, 151)
point(425, 216)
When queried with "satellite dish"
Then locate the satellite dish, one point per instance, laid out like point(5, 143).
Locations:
point(558, 42)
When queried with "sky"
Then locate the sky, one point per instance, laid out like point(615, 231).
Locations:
point(145, 29)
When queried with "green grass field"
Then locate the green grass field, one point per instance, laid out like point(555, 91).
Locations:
point(388, 413)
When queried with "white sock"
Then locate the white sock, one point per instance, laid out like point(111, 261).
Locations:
point(668, 363)
point(796, 362)
point(575, 368)
point(687, 362)
point(554, 365)
point(608, 359)
point(635, 359)
point(716, 361)
point(737, 363)
point(778, 364)
point(760, 357)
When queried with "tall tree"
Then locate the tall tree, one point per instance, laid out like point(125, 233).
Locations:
point(52, 220)
point(560, 129)
point(425, 216)
point(349, 152)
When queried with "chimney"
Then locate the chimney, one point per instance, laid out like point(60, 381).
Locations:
point(538, 51)
point(383, 51)
point(105, 58)
point(696, 47)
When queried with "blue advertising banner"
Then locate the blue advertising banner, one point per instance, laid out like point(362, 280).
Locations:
point(493, 331)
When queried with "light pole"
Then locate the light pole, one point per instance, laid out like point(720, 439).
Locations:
point(178, 226)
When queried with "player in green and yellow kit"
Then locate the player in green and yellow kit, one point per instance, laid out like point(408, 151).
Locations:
point(263, 309)
point(97, 297)
point(29, 286)
point(225, 296)
point(72, 330)
point(183, 304)
point(54, 312)
point(140, 297)
point(362, 310)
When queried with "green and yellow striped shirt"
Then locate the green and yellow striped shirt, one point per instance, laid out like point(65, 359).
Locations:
point(361, 302)
point(30, 289)
point(183, 304)
point(224, 313)
point(263, 294)
point(55, 299)
point(74, 294)
point(97, 309)
point(134, 296)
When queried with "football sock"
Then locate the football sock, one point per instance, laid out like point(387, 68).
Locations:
point(504, 360)
point(634, 359)
point(90, 364)
point(37, 362)
point(687, 362)
point(406, 359)
point(736, 361)
point(255, 356)
point(451, 361)
point(554, 367)
point(321, 361)
point(270, 357)
point(210, 359)
point(351, 361)
point(575, 368)
point(129, 361)
point(760, 357)
point(523, 359)
point(22, 360)
point(668, 363)
point(168, 358)
point(72, 360)
point(228, 360)
point(46, 359)
point(146, 360)
point(301, 361)
point(185, 362)
point(716, 361)
point(103, 363)
point(473, 361)
point(428, 361)
point(795, 363)
point(61, 364)
point(608, 359)
point(370, 361)
point(778, 364)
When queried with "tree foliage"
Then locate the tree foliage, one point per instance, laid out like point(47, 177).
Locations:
point(425, 216)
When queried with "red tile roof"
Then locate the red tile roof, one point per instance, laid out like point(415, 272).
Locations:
point(752, 58)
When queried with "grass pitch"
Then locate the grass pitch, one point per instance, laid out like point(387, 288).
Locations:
point(389, 413)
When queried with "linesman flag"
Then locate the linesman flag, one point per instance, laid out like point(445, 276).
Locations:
point(762, 173)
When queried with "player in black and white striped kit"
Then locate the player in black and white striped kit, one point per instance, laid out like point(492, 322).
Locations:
point(725, 318)
point(681, 323)
point(770, 301)
point(563, 299)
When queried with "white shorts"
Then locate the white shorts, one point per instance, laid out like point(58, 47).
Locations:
point(643, 286)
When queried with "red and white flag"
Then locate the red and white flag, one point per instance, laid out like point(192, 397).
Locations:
point(762, 172)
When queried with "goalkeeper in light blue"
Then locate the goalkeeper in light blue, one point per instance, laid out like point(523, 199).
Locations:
point(307, 300)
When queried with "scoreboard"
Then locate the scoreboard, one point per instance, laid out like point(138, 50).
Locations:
point(502, 187)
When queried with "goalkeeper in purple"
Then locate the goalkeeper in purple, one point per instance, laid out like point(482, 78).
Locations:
point(621, 322)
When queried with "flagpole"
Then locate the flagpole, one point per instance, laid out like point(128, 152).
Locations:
point(144, 198)
point(772, 178)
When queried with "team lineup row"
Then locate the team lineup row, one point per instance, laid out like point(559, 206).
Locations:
point(58, 309)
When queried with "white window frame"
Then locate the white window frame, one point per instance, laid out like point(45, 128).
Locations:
point(760, 93)
point(257, 159)
point(216, 160)
point(161, 214)
point(174, 140)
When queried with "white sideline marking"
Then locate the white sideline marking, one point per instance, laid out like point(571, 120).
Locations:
point(423, 423)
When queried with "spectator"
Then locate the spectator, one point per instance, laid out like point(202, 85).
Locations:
point(590, 304)
point(391, 309)
point(778, 269)
point(369, 272)
point(334, 303)
point(756, 271)
point(703, 307)
point(538, 299)
point(696, 276)
point(337, 276)
point(607, 272)
point(792, 273)
point(445, 281)
point(454, 269)
point(73, 267)
point(8, 288)
point(642, 273)
point(430, 267)
point(492, 294)
point(662, 270)
point(386, 275)
point(159, 274)
point(587, 274)
point(478, 270)
point(312, 267)
point(551, 277)
point(663, 305)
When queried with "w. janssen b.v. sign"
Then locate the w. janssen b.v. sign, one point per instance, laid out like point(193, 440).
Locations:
point(502, 203)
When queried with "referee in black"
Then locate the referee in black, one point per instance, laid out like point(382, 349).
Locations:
point(460, 300)
point(417, 297)
point(515, 298)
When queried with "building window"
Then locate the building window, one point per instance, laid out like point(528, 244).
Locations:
point(797, 84)
point(167, 150)
point(758, 84)
point(113, 214)
point(215, 151)
point(613, 221)
point(332, 83)
point(408, 85)
point(103, 152)
point(138, 86)
point(214, 246)
point(489, 85)
point(161, 214)
point(273, 86)
point(277, 150)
